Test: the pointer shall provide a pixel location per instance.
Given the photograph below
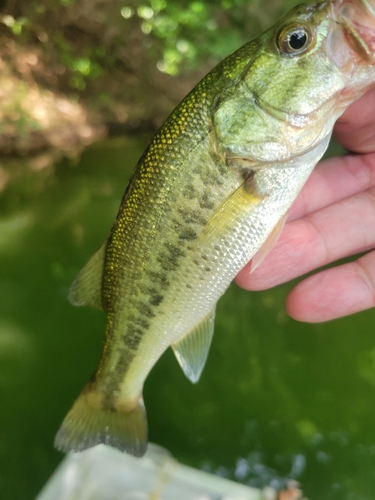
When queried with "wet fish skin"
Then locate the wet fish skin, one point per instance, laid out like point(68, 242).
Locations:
point(206, 195)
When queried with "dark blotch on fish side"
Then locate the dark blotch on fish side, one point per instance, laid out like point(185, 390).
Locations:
point(160, 279)
point(126, 356)
point(205, 202)
point(195, 217)
point(169, 259)
point(133, 337)
point(166, 263)
point(156, 299)
point(188, 234)
point(146, 310)
point(189, 192)
point(142, 322)
point(108, 402)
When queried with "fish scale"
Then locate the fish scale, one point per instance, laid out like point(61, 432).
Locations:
point(210, 193)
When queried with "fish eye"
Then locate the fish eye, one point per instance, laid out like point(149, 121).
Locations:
point(295, 39)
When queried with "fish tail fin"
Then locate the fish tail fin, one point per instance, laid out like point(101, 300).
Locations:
point(88, 424)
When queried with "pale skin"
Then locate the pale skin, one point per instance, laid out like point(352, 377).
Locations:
point(333, 217)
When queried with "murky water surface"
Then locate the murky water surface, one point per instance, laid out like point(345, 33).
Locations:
point(278, 399)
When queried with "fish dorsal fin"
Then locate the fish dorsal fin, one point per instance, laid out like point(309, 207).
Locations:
point(192, 350)
point(268, 244)
point(87, 287)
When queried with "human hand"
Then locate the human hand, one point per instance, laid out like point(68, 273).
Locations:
point(333, 217)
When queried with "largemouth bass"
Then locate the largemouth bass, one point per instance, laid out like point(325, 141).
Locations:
point(210, 193)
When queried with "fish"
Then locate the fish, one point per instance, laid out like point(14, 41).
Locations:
point(209, 194)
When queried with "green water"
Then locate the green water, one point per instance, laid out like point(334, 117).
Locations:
point(278, 399)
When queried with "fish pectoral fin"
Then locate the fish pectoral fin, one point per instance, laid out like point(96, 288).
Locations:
point(268, 244)
point(192, 350)
point(87, 287)
point(242, 201)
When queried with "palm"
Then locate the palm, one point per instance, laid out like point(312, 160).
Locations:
point(333, 217)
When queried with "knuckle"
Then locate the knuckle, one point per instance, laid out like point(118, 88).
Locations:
point(366, 275)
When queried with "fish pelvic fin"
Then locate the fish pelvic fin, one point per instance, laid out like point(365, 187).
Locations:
point(88, 424)
point(192, 350)
point(87, 287)
point(268, 244)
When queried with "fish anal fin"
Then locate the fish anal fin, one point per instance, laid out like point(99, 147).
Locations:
point(192, 350)
point(267, 245)
point(87, 287)
point(88, 424)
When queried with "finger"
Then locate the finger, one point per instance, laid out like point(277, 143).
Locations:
point(339, 230)
point(355, 129)
point(333, 180)
point(335, 292)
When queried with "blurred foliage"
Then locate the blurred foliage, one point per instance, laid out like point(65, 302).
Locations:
point(115, 60)
point(195, 31)
point(187, 32)
point(86, 41)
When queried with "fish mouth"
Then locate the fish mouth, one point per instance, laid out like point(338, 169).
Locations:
point(358, 19)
